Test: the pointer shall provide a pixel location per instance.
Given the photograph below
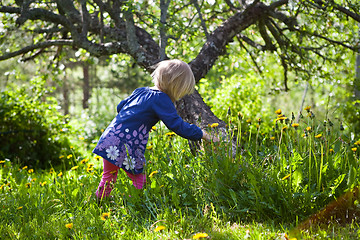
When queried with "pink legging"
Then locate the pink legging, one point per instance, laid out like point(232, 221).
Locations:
point(109, 177)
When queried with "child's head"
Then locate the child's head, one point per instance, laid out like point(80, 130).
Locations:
point(174, 77)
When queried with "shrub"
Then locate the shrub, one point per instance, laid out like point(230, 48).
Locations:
point(32, 131)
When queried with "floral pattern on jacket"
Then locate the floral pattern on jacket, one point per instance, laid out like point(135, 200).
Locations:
point(125, 147)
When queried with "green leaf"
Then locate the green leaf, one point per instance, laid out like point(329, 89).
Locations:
point(352, 177)
point(337, 182)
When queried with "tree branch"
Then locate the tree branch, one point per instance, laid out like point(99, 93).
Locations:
point(131, 36)
point(201, 18)
point(268, 41)
point(39, 14)
point(45, 44)
point(164, 5)
point(251, 42)
point(85, 18)
point(251, 56)
point(353, 15)
point(221, 36)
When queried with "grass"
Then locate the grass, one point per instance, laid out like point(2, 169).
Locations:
point(278, 178)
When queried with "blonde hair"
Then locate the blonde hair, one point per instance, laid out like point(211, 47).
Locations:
point(174, 77)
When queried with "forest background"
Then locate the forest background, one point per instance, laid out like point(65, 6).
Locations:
point(281, 77)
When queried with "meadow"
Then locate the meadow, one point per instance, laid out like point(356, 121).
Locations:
point(282, 172)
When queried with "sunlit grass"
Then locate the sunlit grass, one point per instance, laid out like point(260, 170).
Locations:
point(275, 180)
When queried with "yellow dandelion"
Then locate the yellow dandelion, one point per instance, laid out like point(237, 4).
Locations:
point(248, 121)
point(25, 167)
point(284, 128)
point(71, 147)
point(85, 160)
point(105, 216)
point(278, 111)
point(33, 180)
point(295, 125)
point(153, 128)
point(51, 171)
point(97, 158)
point(331, 150)
point(159, 228)
point(69, 156)
point(30, 170)
point(113, 172)
point(81, 138)
point(307, 108)
point(74, 167)
point(102, 130)
point(2, 161)
point(214, 125)
point(60, 174)
point(356, 143)
point(2, 186)
point(89, 169)
point(200, 235)
point(170, 134)
point(28, 185)
point(149, 147)
point(153, 173)
point(272, 138)
point(354, 149)
point(308, 129)
point(69, 225)
point(19, 208)
point(61, 156)
point(43, 183)
point(318, 136)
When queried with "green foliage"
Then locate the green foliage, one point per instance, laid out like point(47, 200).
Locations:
point(245, 96)
point(278, 182)
point(31, 128)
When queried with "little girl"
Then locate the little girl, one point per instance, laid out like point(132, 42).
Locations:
point(123, 143)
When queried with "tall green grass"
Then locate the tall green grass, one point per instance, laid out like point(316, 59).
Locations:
point(277, 177)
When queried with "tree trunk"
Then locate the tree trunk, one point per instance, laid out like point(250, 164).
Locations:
point(357, 76)
point(65, 92)
point(193, 109)
point(86, 86)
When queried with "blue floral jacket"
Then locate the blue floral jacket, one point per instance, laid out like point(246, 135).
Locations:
point(123, 143)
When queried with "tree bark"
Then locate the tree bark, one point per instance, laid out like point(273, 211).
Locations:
point(86, 86)
point(357, 76)
point(65, 92)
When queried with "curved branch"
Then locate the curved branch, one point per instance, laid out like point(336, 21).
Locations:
point(251, 55)
point(251, 42)
point(268, 41)
point(30, 48)
point(201, 18)
point(39, 14)
point(220, 37)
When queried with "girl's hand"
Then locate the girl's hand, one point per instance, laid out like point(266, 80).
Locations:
point(206, 136)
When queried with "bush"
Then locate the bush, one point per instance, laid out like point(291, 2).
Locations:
point(32, 131)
